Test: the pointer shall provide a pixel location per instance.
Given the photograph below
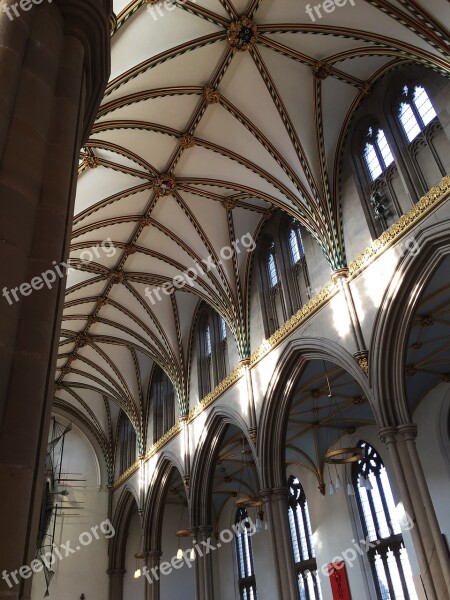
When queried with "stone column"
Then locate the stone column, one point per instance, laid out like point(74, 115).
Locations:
point(340, 277)
point(272, 517)
point(198, 567)
point(203, 565)
point(152, 586)
point(426, 535)
point(54, 64)
point(286, 559)
point(116, 583)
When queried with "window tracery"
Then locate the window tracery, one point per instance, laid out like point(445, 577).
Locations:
point(388, 559)
point(244, 556)
point(302, 544)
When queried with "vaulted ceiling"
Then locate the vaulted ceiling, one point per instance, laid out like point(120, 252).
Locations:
point(217, 112)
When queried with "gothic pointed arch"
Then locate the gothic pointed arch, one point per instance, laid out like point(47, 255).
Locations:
point(205, 459)
point(274, 418)
point(127, 506)
point(396, 313)
point(166, 470)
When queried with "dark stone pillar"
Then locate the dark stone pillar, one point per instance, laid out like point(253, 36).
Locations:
point(54, 64)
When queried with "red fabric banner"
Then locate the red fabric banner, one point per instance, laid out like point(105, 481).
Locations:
point(339, 582)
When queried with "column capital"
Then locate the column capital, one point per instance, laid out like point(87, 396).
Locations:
point(266, 495)
point(116, 572)
point(408, 431)
point(388, 435)
point(339, 275)
point(280, 493)
point(205, 529)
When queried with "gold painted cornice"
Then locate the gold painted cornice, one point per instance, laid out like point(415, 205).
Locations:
point(436, 196)
point(406, 222)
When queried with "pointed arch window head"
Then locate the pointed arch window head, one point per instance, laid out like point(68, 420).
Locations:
point(244, 556)
point(377, 154)
point(390, 566)
point(302, 542)
point(415, 111)
point(272, 267)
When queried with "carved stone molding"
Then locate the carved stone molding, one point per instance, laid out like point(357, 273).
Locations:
point(89, 21)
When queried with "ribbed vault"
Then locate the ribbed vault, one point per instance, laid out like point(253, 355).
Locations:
point(216, 112)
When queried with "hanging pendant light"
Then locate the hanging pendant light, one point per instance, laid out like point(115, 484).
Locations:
point(331, 489)
point(138, 556)
point(350, 489)
point(338, 483)
point(266, 526)
point(369, 485)
point(181, 533)
point(362, 481)
point(192, 553)
point(257, 524)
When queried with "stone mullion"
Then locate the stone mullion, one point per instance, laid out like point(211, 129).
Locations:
point(383, 555)
point(396, 552)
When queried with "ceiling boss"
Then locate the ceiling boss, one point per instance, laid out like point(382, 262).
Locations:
point(242, 34)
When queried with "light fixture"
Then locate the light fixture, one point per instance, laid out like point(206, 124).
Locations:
point(343, 456)
point(180, 552)
point(138, 556)
point(369, 485)
point(192, 553)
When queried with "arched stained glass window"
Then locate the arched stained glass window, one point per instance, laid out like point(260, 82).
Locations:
point(377, 154)
point(208, 347)
point(415, 111)
point(163, 402)
point(127, 437)
point(272, 268)
point(388, 559)
point(244, 555)
point(212, 345)
point(223, 330)
point(296, 245)
point(302, 545)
